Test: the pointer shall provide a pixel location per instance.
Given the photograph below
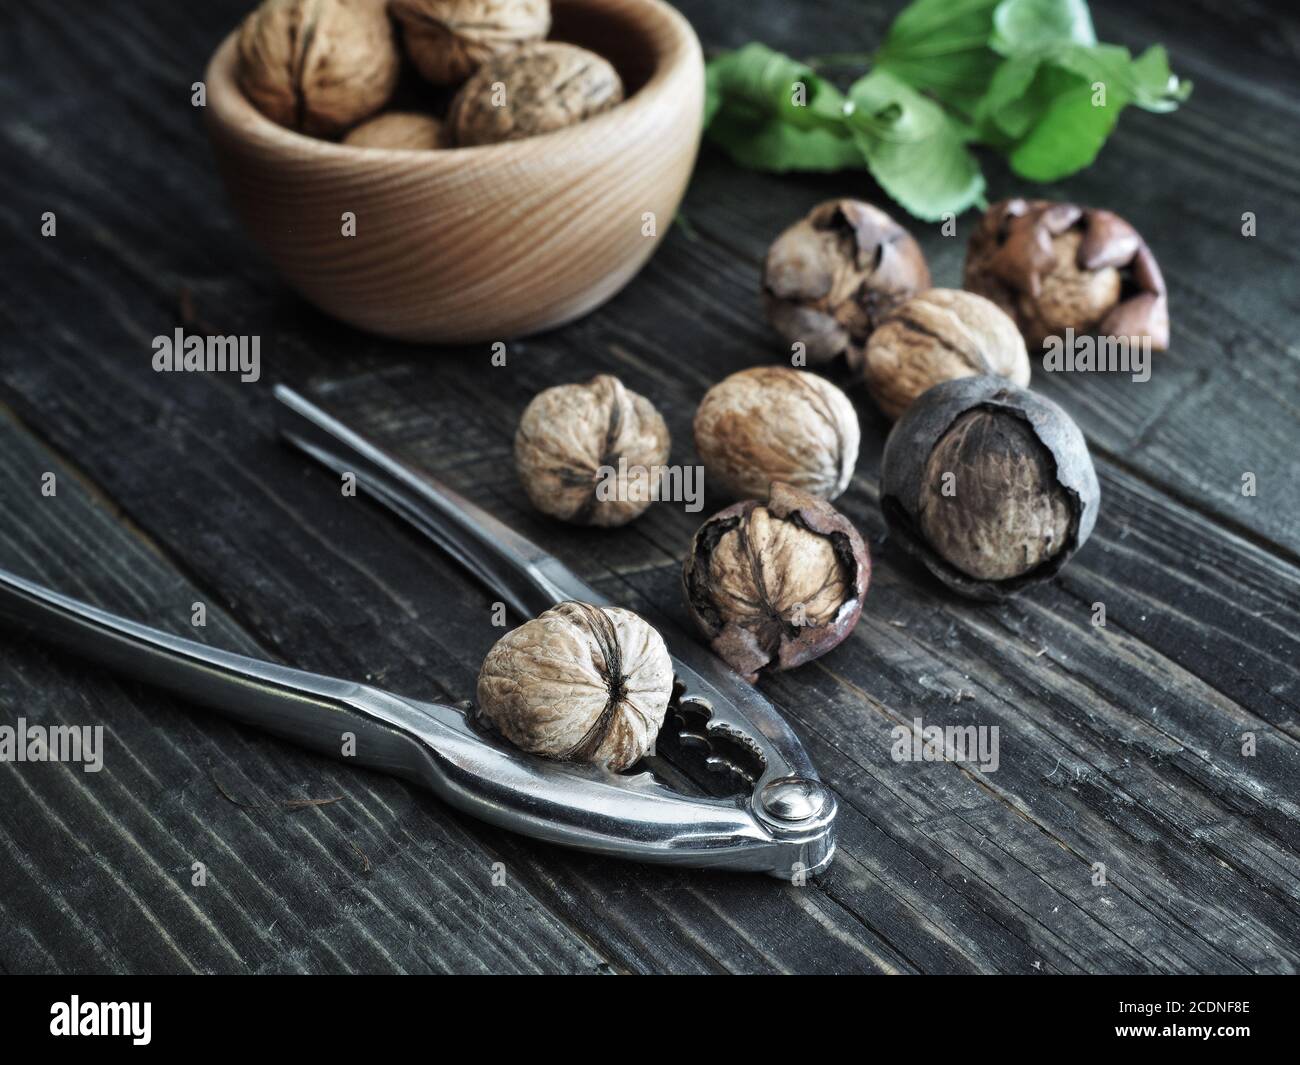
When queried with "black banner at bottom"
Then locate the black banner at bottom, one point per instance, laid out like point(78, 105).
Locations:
point(368, 1014)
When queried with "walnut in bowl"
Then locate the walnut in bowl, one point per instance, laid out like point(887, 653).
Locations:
point(481, 243)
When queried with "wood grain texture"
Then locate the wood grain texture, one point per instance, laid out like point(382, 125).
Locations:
point(1119, 745)
point(480, 243)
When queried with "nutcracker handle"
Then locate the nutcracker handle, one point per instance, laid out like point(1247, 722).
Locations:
point(528, 578)
point(432, 744)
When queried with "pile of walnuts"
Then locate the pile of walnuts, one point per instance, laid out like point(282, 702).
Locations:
point(483, 71)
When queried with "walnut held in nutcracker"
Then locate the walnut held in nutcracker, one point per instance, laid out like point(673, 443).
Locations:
point(991, 486)
point(592, 453)
point(579, 683)
point(399, 129)
point(535, 89)
point(1057, 266)
point(448, 40)
point(772, 423)
point(318, 66)
point(776, 584)
point(937, 336)
point(830, 278)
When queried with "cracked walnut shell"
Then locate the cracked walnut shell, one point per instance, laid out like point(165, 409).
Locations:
point(317, 66)
point(773, 423)
point(448, 40)
point(593, 453)
point(937, 336)
point(990, 486)
point(831, 277)
point(579, 683)
point(776, 584)
point(533, 90)
point(1058, 266)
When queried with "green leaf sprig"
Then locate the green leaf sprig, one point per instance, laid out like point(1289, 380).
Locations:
point(1027, 78)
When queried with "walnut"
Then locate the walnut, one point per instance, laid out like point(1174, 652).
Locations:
point(830, 278)
point(535, 89)
point(939, 335)
point(593, 453)
point(776, 584)
point(1057, 266)
point(989, 485)
point(1005, 513)
point(448, 40)
point(317, 66)
point(399, 129)
point(579, 683)
point(772, 423)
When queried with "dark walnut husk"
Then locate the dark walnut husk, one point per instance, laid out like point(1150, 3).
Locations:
point(1057, 266)
point(1022, 496)
point(830, 278)
point(533, 90)
point(775, 584)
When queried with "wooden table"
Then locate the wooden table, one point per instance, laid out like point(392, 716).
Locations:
point(1119, 745)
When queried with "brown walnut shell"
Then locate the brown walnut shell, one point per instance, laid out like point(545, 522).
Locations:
point(448, 40)
point(317, 66)
point(831, 277)
point(407, 130)
point(772, 423)
point(1057, 266)
point(775, 584)
point(533, 90)
point(579, 683)
point(990, 486)
point(568, 448)
point(940, 335)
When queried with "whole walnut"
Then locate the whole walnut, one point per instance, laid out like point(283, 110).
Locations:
point(317, 66)
point(448, 40)
point(591, 454)
point(399, 129)
point(772, 423)
point(831, 277)
point(579, 683)
point(937, 336)
point(1057, 266)
point(991, 486)
point(532, 90)
point(776, 584)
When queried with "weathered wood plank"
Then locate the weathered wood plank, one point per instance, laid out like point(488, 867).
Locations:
point(942, 868)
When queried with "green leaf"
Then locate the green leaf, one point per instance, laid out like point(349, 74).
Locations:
point(1106, 63)
point(914, 150)
point(1025, 77)
point(769, 112)
point(1024, 27)
point(1005, 111)
point(781, 148)
point(941, 47)
point(758, 83)
point(1068, 136)
point(1155, 86)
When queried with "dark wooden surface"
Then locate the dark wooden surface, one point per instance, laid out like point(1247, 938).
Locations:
point(1119, 745)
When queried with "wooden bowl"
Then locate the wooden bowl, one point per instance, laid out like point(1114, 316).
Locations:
point(473, 244)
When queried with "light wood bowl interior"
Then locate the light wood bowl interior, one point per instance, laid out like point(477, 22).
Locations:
point(486, 243)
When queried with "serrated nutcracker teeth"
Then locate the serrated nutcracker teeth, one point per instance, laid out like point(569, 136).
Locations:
point(721, 750)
